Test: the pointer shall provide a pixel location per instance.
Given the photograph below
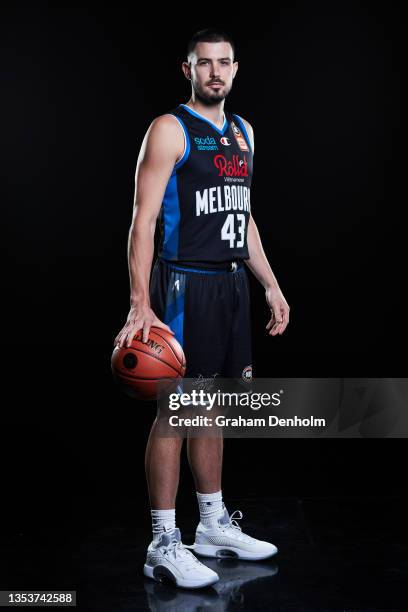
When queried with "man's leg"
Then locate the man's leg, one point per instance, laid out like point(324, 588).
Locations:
point(208, 323)
point(205, 460)
point(162, 464)
point(218, 533)
point(162, 457)
point(166, 557)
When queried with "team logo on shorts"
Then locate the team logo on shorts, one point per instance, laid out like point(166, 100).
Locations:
point(225, 141)
point(247, 373)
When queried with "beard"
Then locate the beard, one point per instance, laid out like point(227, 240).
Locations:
point(210, 97)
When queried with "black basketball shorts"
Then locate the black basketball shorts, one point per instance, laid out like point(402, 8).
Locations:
point(208, 309)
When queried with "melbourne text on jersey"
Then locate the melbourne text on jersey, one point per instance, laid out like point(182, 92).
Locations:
point(218, 199)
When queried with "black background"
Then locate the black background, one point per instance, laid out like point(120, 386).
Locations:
point(321, 85)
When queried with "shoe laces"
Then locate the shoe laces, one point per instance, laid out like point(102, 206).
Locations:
point(233, 524)
point(179, 552)
point(233, 520)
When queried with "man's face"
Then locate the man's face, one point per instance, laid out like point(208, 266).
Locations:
point(212, 70)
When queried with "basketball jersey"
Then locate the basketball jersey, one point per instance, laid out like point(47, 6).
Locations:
point(206, 205)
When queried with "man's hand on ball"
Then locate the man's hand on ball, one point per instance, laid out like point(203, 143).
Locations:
point(139, 318)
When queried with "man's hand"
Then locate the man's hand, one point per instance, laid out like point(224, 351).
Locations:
point(141, 317)
point(279, 311)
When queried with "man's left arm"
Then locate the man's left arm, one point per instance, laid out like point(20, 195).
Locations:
point(259, 266)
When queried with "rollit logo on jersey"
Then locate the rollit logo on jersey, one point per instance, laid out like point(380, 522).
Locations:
point(220, 199)
point(239, 137)
point(234, 167)
point(225, 141)
point(206, 144)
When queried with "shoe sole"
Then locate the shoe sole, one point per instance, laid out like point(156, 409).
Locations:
point(160, 573)
point(229, 552)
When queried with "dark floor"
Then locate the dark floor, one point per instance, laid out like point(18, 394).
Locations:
point(334, 555)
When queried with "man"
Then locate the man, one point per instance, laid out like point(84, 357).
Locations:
point(195, 170)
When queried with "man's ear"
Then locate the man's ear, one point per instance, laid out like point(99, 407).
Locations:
point(186, 70)
point(235, 69)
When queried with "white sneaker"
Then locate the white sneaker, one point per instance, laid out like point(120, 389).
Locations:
point(168, 558)
point(226, 539)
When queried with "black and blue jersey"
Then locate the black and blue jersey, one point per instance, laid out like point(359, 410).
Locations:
point(206, 206)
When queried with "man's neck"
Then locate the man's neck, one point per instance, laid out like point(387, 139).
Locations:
point(214, 113)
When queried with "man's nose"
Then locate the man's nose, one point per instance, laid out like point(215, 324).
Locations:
point(214, 71)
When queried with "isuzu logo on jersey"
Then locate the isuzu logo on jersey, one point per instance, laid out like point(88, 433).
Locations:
point(206, 144)
point(225, 141)
point(234, 167)
point(239, 137)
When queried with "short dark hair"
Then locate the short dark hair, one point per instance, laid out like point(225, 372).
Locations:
point(210, 35)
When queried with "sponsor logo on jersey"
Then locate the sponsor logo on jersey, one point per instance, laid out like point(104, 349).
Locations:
point(228, 167)
point(247, 373)
point(208, 143)
point(225, 141)
point(239, 137)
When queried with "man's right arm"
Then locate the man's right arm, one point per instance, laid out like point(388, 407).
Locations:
point(162, 146)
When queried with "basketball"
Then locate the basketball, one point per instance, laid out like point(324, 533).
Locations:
point(142, 368)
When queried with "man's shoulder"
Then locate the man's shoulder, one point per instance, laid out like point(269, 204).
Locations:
point(165, 134)
point(166, 119)
point(165, 125)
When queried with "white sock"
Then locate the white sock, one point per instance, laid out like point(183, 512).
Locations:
point(161, 520)
point(211, 507)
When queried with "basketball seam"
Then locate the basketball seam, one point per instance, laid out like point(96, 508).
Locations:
point(163, 338)
point(143, 378)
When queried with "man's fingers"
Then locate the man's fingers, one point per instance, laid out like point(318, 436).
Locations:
point(278, 324)
point(146, 329)
point(279, 318)
point(270, 322)
point(132, 332)
point(121, 338)
point(285, 322)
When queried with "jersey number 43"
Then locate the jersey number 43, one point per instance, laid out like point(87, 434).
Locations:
point(228, 230)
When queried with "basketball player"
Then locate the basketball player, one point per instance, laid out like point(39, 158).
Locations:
point(194, 174)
